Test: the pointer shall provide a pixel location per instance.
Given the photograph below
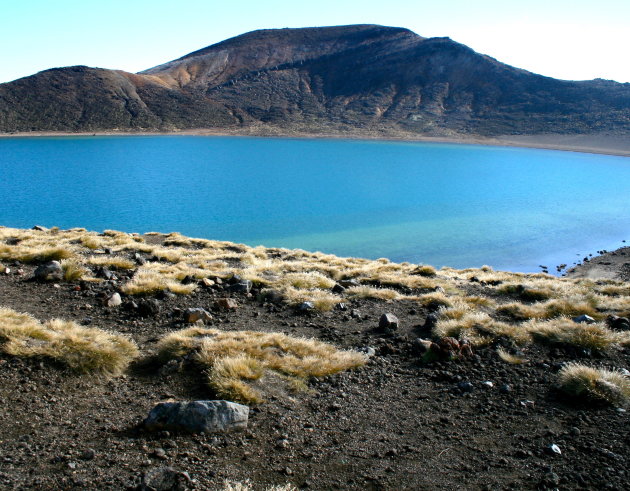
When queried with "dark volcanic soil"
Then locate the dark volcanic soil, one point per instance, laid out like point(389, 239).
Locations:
point(395, 424)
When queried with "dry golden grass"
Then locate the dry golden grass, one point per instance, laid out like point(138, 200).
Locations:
point(111, 262)
point(600, 384)
point(303, 276)
point(510, 358)
point(434, 301)
point(365, 291)
point(236, 359)
point(84, 350)
point(73, 270)
point(146, 281)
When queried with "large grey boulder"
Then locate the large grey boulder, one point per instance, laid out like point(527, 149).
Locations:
point(50, 271)
point(198, 416)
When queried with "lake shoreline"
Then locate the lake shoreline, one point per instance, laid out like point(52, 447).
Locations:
point(594, 144)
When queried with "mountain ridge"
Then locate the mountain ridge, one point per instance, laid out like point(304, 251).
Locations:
point(360, 78)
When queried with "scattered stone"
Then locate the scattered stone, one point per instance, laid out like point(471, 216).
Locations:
point(160, 453)
point(272, 296)
point(505, 389)
point(226, 304)
point(50, 271)
point(388, 321)
point(39, 228)
point(196, 314)
point(422, 346)
point(114, 300)
point(207, 282)
point(338, 288)
point(430, 321)
point(341, 306)
point(105, 273)
point(197, 416)
point(164, 479)
point(243, 286)
point(487, 384)
point(306, 306)
point(6, 270)
point(148, 307)
point(369, 351)
point(465, 387)
point(355, 314)
point(88, 454)
point(554, 449)
point(140, 259)
point(618, 323)
point(584, 319)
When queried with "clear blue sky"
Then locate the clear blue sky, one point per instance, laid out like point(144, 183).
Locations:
point(574, 40)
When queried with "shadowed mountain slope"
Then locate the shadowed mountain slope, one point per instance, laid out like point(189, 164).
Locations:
point(361, 78)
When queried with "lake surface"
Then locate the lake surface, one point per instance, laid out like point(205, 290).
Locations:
point(441, 204)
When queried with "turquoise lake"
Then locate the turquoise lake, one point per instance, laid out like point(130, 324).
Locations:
point(440, 204)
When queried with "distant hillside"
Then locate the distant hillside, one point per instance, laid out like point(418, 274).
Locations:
point(362, 78)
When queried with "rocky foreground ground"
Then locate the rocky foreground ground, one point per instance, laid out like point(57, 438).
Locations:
point(403, 421)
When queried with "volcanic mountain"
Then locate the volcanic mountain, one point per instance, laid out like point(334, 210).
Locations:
point(360, 79)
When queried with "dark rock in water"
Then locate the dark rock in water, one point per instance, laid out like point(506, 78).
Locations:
point(164, 479)
point(196, 314)
point(388, 321)
point(50, 271)
point(243, 286)
point(149, 307)
point(197, 416)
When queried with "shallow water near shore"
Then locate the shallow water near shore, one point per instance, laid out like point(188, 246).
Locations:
point(441, 204)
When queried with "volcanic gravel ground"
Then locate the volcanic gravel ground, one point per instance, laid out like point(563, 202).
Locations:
point(394, 424)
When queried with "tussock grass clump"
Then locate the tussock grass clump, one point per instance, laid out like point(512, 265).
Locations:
point(146, 282)
point(564, 331)
point(434, 301)
point(27, 253)
point(526, 293)
point(235, 360)
point(598, 384)
point(365, 291)
point(83, 350)
point(73, 270)
point(112, 262)
point(425, 270)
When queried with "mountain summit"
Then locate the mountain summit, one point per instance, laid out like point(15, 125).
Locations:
point(360, 79)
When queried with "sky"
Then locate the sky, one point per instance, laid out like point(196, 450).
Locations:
point(571, 40)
